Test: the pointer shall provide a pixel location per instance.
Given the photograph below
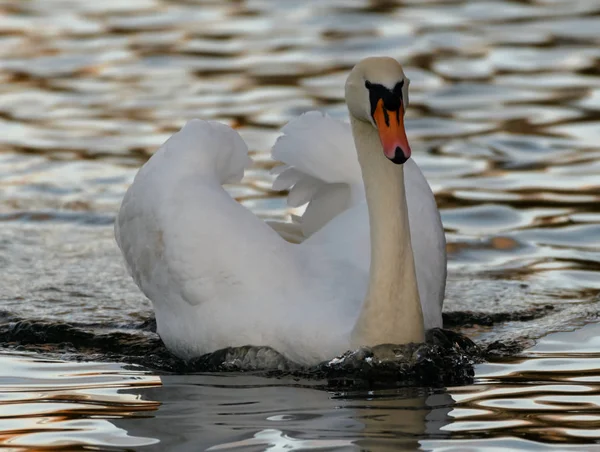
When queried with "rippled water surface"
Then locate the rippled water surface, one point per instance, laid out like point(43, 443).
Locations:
point(504, 121)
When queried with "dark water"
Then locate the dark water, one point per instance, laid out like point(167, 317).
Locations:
point(504, 120)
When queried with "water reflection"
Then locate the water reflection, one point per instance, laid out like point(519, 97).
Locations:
point(53, 404)
point(546, 398)
point(223, 412)
point(548, 395)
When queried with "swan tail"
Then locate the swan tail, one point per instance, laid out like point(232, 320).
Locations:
point(320, 168)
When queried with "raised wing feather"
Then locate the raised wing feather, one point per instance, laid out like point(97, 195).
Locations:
point(182, 235)
point(320, 168)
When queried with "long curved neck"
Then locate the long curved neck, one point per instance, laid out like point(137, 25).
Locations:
point(391, 312)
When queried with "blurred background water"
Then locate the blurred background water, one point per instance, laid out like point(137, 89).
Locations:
point(504, 120)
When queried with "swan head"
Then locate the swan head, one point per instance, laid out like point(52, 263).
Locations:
point(377, 93)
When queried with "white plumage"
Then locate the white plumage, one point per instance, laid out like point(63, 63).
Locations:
point(319, 151)
point(218, 276)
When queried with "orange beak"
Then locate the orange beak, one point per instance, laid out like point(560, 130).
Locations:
point(390, 125)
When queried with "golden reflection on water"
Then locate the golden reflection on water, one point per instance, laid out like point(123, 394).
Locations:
point(50, 404)
point(504, 118)
point(550, 395)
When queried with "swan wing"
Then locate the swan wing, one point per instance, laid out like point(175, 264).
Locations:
point(320, 168)
point(184, 239)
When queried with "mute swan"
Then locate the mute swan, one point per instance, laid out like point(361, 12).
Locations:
point(218, 276)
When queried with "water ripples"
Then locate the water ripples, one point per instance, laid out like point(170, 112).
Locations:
point(52, 404)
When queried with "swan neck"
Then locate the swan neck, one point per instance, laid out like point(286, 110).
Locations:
point(391, 312)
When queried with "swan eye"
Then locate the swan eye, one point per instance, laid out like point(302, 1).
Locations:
point(368, 84)
point(398, 88)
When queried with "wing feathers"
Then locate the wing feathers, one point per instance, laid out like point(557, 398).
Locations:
point(320, 168)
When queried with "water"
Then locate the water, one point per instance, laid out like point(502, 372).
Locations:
point(504, 121)
point(549, 397)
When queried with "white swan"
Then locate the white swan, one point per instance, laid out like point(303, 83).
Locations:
point(218, 276)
